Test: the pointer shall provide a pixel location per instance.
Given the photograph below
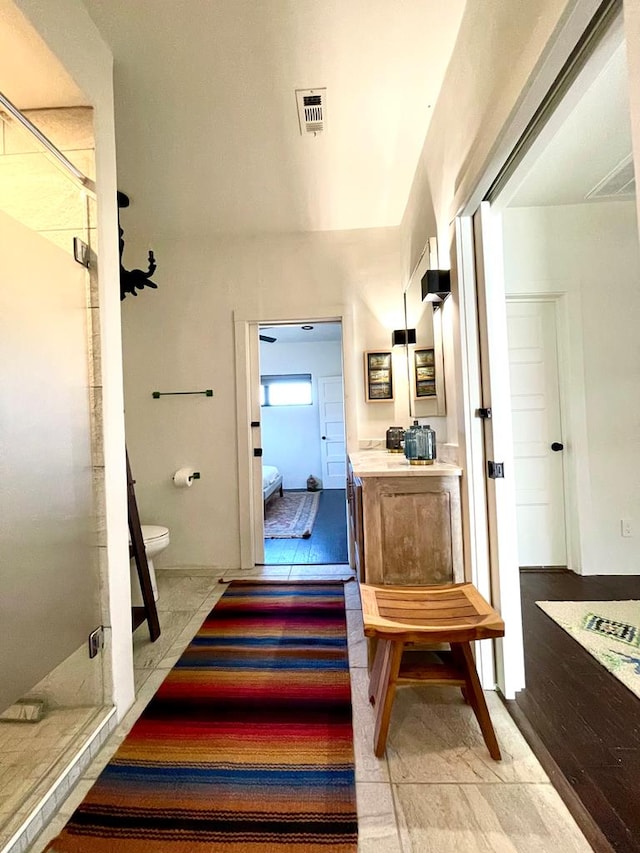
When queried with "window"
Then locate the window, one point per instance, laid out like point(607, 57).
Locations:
point(287, 389)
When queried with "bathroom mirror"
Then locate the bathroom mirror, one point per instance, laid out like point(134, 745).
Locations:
point(425, 363)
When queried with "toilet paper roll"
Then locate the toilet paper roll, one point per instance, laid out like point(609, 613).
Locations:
point(183, 478)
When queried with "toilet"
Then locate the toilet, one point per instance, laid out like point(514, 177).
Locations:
point(156, 539)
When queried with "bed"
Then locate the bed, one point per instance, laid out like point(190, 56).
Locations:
point(271, 482)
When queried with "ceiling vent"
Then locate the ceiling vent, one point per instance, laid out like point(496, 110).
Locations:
point(312, 110)
point(619, 183)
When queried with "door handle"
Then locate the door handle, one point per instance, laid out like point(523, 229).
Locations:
point(557, 446)
point(324, 437)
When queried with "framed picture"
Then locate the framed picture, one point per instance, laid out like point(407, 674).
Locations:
point(425, 372)
point(378, 377)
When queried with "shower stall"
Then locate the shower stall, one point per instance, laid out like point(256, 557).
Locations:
point(52, 549)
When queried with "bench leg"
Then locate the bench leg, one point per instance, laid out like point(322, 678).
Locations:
point(376, 670)
point(475, 697)
point(383, 680)
point(459, 661)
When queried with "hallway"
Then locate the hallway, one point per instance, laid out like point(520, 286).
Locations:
point(435, 791)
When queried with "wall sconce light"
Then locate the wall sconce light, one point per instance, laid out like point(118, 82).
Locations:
point(403, 337)
point(436, 286)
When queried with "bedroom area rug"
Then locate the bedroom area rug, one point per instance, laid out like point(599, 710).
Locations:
point(609, 630)
point(291, 516)
point(247, 746)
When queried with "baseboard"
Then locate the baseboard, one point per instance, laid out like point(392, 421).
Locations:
point(572, 801)
point(548, 569)
point(61, 786)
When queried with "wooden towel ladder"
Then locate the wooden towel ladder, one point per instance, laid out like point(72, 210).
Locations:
point(148, 611)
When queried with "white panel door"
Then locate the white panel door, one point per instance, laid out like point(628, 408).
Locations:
point(333, 446)
point(535, 411)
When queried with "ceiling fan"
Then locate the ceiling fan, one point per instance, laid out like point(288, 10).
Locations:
point(267, 338)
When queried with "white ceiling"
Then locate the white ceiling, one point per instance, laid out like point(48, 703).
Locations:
point(591, 141)
point(30, 75)
point(208, 135)
point(295, 334)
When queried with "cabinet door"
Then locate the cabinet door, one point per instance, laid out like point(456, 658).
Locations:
point(416, 538)
point(413, 530)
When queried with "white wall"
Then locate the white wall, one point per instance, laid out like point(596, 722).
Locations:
point(498, 46)
point(632, 36)
point(591, 253)
point(180, 337)
point(291, 434)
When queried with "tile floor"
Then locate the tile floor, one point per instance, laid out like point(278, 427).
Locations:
point(436, 790)
point(30, 753)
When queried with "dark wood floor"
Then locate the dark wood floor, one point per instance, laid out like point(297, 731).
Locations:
point(328, 540)
point(587, 719)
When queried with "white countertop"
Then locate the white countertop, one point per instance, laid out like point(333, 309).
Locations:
point(381, 463)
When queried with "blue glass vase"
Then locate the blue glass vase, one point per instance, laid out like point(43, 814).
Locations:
point(420, 444)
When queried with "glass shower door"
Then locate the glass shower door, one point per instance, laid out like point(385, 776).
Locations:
point(50, 464)
point(49, 591)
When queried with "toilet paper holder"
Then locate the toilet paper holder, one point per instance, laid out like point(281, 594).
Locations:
point(185, 477)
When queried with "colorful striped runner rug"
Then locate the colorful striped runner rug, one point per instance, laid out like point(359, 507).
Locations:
point(247, 747)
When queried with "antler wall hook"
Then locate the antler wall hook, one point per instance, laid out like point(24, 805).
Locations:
point(130, 280)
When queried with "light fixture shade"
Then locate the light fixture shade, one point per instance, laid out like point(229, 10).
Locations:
point(403, 336)
point(436, 285)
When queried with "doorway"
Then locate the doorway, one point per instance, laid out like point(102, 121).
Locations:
point(562, 223)
point(558, 220)
point(568, 224)
point(303, 444)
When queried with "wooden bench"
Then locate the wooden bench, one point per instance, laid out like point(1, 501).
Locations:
point(403, 619)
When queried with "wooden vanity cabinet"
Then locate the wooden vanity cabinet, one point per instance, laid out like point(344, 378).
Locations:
point(406, 528)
